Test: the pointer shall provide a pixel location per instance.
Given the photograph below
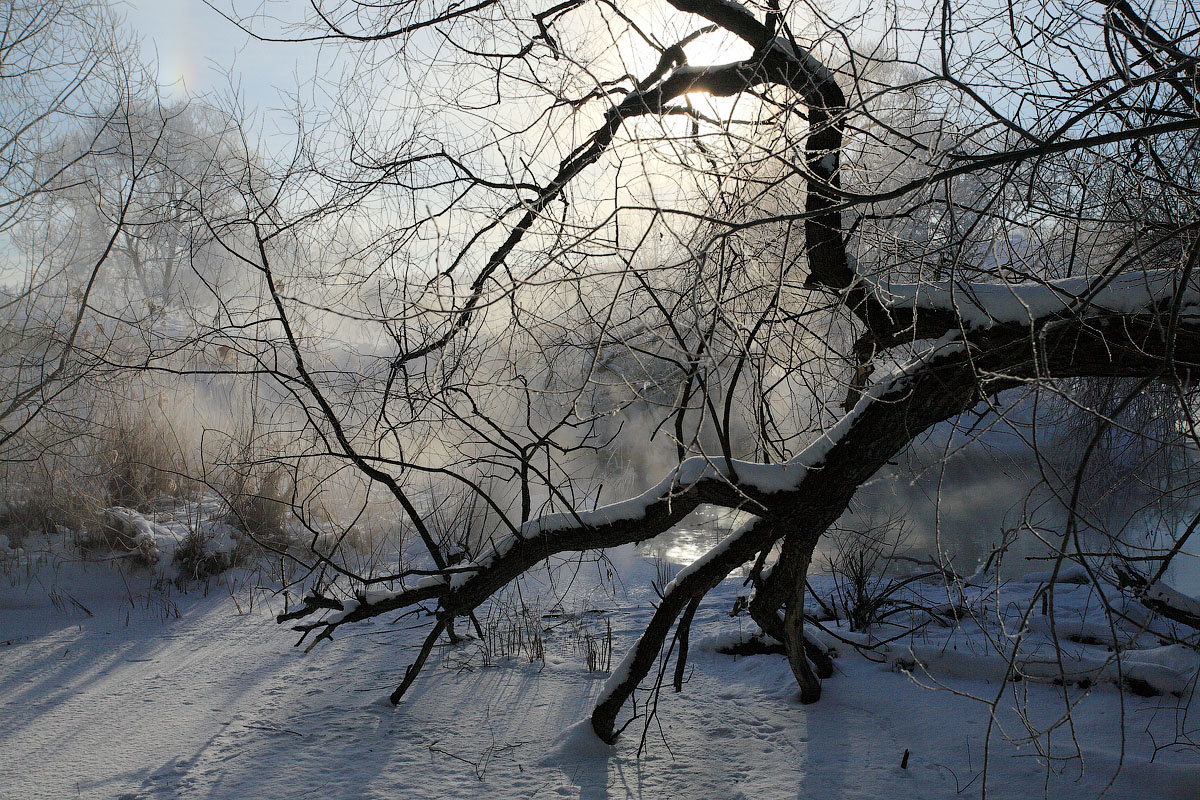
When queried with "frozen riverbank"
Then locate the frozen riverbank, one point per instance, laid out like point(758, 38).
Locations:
point(160, 694)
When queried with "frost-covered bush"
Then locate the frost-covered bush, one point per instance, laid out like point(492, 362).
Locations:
point(122, 531)
point(208, 549)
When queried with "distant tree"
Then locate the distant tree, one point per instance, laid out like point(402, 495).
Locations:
point(66, 69)
point(187, 161)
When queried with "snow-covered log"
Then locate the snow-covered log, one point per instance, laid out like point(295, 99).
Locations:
point(1162, 599)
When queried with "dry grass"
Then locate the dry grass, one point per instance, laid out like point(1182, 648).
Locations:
point(88, 453)
point(146, 459)
point(260, 505)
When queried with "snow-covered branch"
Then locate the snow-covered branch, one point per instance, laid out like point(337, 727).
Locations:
point(803, 497)
point(976, 306)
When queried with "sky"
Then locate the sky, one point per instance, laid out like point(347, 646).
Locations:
point(201, 53)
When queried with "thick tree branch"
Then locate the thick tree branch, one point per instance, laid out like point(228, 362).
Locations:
point(803, 497)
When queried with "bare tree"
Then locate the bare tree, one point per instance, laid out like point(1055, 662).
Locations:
point(67, 72)
point(185, 157)
point(767, 274)
point(111, 272)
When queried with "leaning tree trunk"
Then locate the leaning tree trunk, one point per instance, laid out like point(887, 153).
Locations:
point(784, 589)
point(946, 381)
point(794, 641)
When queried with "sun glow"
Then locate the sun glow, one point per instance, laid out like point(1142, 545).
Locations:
point(713, 49)
point(718, 47)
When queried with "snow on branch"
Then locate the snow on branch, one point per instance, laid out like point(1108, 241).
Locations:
point(804, 496)
point(1172, 604)
point(984, 305)
point(731, 483)
point(1161, 598)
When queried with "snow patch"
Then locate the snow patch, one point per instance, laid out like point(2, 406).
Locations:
point(138, 535)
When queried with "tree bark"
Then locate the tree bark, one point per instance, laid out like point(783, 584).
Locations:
point(794, 641)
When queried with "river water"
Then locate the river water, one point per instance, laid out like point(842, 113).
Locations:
point(958, 510)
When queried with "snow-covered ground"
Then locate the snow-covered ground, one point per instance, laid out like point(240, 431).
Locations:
point(117, 684)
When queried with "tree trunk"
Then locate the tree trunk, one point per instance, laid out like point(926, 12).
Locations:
point(796, 564)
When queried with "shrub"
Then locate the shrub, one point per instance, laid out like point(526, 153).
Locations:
point(859, 562)
point(260, 506)
point(208, 549)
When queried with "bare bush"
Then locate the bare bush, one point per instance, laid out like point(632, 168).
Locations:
point(862, 561)
point(512, 629)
